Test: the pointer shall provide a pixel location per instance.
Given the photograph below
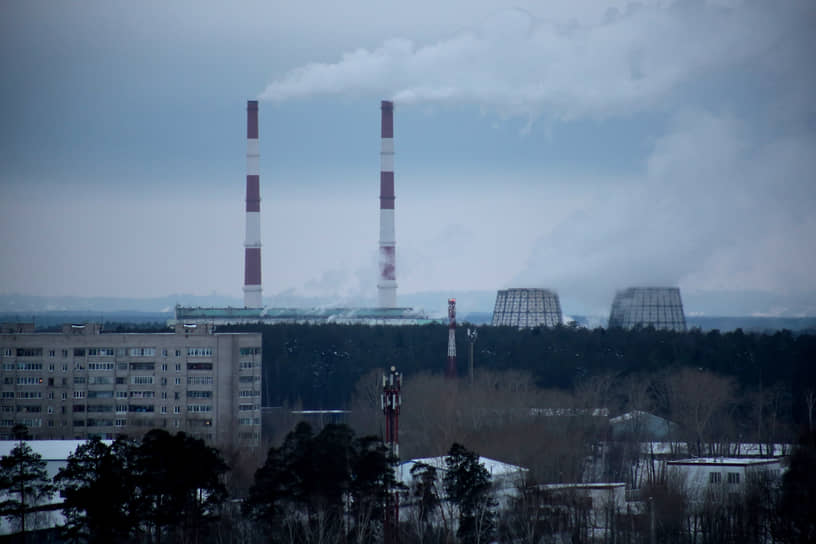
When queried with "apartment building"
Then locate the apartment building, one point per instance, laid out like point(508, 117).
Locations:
point(84, 382)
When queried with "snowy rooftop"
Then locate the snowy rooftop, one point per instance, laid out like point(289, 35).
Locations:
point(725, 461)
point(497, 469)
point(593, 485)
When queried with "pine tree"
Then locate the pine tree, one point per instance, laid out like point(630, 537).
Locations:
point(24, 483)
point(468, 485)
point(98, 487)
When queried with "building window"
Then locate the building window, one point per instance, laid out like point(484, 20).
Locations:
point(199, 366)
point(51, 367)
point(79, 395)
point(199, 352)
point(64, 396)
point(141, 380)
point(7, 352)
point(164, 394)
point(178, 368)
point(199, 408)
point(164, 354)
point(733, 477)
point(164, 366)
point(64, 353)
point(52, 353)
point(164, 381)
point(164, 409)
point(100, 366)
point(714, 477)
point(176, 409)
point(142, 352)
point(142, 366)
point(199, 394)
point(79, 352)
point(178, 353)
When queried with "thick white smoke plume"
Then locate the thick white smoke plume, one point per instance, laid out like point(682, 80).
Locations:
point(519, 64)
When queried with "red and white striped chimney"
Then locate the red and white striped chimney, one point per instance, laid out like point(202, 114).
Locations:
point(252, 242)
point(450, 372)
point(387, 284)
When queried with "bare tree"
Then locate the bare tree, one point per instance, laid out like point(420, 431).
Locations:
point(696, 398)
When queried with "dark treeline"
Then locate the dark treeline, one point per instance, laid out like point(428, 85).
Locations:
point(319, 366)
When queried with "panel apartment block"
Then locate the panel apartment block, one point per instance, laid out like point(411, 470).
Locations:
point(527, 308)
point(83, 382)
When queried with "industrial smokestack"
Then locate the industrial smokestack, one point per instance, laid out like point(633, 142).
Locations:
point(451, 370)
point(252, 242)
point(387, 284)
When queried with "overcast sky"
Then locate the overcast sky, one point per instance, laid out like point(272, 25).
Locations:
point(582, 145)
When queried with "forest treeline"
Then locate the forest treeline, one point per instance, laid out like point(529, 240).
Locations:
point(317, 367)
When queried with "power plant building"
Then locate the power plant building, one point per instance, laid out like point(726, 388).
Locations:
point(82, 382)
point(526, 308)
point(387, 312)
point(658, 307)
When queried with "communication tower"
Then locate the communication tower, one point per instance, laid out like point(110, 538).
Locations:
point(391, 400)
point(451, 370)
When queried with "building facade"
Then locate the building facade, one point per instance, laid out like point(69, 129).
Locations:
point(83, 382)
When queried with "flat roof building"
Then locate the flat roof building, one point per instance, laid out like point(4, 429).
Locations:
point(84, 382)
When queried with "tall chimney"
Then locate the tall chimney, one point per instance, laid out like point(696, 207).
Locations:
point(450, 372)
point(387, 284)
point(252, 242)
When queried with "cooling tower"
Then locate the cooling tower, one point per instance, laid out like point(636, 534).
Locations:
point(527, 308)
point(658, 307)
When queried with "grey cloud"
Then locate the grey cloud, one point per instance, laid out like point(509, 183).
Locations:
point(714, 209)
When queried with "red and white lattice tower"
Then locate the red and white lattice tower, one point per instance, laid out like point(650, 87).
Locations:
point(391, 400)
point(252, 242)
point(451, 370)
point(387, 283)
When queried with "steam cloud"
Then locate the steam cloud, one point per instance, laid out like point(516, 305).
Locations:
point(521, 65)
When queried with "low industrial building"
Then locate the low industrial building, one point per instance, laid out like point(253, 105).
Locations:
point(706, 477)
point(83, 382)
point(311, 316)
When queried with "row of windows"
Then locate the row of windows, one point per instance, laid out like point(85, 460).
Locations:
point(22, 366)
point(249, 421)
point(119, 352)
point(716, 477)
